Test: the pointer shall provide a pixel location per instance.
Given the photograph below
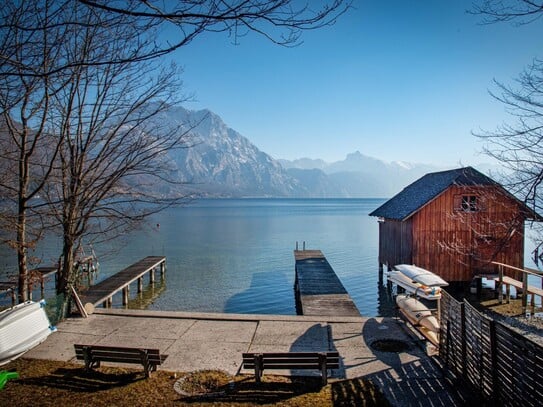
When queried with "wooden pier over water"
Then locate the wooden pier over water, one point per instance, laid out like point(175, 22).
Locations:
point(103, 292)
point(318, 289)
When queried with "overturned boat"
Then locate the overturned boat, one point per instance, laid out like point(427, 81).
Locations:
point(22, 327)
point(421, 276)
point(413, 287)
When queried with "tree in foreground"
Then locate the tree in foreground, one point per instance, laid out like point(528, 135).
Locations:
point(85, 139)
point(81, 89)
point(518, 144)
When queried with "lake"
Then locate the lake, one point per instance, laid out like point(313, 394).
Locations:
point(236, 255)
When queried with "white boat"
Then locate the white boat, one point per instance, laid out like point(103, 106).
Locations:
point(419, 315)
point(411, 286)
point(421, 276)
point(22, 327)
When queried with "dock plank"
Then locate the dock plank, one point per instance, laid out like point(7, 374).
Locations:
point(105, 289)
point(319, 289)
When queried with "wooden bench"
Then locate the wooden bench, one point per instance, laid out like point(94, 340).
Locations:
point(291, 360)
point(94, 354)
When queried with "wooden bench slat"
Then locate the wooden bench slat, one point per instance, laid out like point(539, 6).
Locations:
point(94, 354)
point(322, 361)
point(290, 354)
point(294, 366)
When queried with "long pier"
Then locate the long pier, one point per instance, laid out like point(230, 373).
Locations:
point(318, 289)
point(103, 292)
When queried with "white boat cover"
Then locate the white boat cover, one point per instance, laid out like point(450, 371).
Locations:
point(421, 275)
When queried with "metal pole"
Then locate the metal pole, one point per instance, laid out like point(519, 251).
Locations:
point(524, 291)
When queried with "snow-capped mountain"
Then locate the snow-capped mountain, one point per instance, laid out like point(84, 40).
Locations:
point(222, 162)
point(359, 175)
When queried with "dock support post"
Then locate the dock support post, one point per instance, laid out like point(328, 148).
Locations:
point(152, 275)
point(125, 295)
point(108, 302)
point(380, 274)
point(140, 284)
point(500, 285)
point(42, 288)
point(524, 292)
point(162, 269)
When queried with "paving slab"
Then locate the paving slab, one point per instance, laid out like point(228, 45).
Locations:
point(60, 346)
point(297, 336)
point(220, 331)
point(216, 341)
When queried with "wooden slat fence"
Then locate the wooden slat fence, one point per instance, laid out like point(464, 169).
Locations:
point(501, 364)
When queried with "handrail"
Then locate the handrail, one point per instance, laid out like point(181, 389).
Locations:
point(525, 273)
point(533, 272)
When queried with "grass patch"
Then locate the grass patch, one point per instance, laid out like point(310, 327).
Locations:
point(51, 383)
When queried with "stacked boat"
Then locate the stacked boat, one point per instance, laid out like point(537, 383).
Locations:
point(418, 283)
point(22, 327)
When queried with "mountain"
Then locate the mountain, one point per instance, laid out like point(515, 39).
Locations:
point(359, 176)
point(223, 163)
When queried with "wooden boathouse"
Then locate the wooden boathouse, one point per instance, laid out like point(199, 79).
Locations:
point(454, 223)
point(317, 287)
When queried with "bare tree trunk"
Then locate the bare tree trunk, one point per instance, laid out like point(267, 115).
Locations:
point(22, 256)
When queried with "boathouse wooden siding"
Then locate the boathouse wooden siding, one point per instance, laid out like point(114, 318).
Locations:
point(459, 244)
point(396, 244)
point(434, 231)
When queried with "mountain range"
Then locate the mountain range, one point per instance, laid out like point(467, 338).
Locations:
point(223, 163)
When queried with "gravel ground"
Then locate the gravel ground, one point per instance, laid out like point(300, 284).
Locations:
point(511, 315)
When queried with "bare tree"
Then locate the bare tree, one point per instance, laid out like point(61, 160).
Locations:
point(114, 145)
point(80, 94)
point(518, 144)
point(24, 105)
point(280, 21)
point(519, 11)
point(81, 137)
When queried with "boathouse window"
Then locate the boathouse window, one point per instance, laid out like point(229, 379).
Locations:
point(468, 203)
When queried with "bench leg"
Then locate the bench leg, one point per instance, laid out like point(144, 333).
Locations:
point(87, 358)
point(147, 367)
point(258, 367)
point(324, 371)
point(90, 363)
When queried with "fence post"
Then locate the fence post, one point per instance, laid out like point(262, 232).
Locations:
point(463, 334)
point(494, 360)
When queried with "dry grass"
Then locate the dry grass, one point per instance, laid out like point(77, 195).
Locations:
point(49, 383)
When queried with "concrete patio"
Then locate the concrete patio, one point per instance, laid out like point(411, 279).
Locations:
point(195, 341)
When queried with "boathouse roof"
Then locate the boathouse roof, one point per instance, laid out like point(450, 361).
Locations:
point(416, 195)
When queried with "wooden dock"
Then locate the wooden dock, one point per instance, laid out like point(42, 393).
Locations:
point(318, 289)
point(103, 292)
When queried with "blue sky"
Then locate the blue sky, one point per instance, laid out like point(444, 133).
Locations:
point(396, 80)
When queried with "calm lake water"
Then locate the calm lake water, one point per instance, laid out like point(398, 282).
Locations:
point(236, 256)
